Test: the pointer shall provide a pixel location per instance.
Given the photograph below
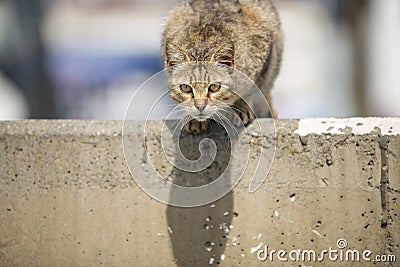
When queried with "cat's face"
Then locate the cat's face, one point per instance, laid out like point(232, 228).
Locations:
point(200, 79)
point(201, 87)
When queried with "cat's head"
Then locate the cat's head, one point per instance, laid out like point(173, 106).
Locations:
point(200, 84)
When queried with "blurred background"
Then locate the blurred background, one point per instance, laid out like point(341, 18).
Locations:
point(84, 59)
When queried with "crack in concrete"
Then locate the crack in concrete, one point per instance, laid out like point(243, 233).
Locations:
point(383, 145)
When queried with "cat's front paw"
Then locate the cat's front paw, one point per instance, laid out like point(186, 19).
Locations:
point(196, 127)
point(246, 116)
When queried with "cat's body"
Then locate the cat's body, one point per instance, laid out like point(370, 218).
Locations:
point(243, 34)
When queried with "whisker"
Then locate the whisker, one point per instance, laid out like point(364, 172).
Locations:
point(222, 105)
point(238, 109)
point(229, 112)
point(180, 113)
point(171, 105)
point(227, 121)
point(222, 120)
point(177, 123)
point(175, 126)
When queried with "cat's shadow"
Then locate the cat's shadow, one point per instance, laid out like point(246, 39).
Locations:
point(199, 235)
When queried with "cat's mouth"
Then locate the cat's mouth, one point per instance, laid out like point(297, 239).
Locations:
point(201, 117)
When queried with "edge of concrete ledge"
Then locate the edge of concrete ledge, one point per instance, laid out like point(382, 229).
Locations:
point(302, 127)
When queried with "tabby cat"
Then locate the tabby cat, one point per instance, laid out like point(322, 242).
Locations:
point(241, 34)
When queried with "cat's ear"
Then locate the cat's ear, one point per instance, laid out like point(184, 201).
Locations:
point(175, 55)
point(225, 54)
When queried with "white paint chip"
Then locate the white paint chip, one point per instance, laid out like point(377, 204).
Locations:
point(258, 236)
point(276, 213)
point(316, 232)
point(222, 257)
point(257, 248)
point(234, 241)
point(357, 126)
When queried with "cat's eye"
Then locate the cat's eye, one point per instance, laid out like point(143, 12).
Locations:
point(215, 87)
point(186, 88)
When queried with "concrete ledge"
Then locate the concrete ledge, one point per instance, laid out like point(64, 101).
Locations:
point(67, 199)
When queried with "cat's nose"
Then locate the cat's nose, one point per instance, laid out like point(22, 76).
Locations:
point(200, 104)
point(200, 107)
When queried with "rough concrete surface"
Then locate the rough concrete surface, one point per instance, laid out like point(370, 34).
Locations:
point(67, 199)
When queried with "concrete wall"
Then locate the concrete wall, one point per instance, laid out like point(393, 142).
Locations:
point(67, 199)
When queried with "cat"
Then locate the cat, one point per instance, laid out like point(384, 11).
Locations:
point(244, 35)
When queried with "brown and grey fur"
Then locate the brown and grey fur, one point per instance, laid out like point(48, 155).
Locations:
point(243, 34)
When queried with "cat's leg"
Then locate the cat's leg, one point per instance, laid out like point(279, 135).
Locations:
point(195, 126)
point(244, 112)
point(272, 110)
